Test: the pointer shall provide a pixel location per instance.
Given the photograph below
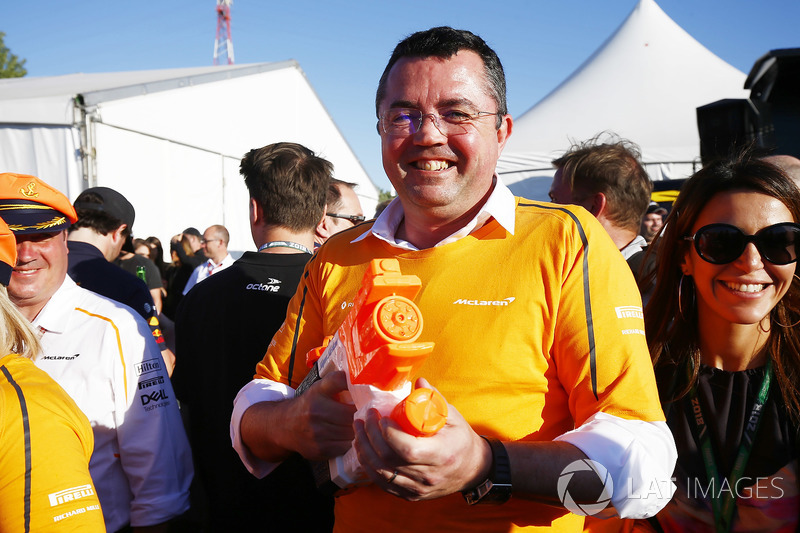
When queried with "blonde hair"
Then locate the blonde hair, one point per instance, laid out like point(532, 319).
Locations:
point(16, 333)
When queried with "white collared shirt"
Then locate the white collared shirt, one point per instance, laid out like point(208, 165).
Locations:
point(103, 355)
point(635, 246)
point(500, 205)
point(205, 270)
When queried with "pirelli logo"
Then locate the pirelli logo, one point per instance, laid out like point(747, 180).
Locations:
point(151, 382)
point(69, 495)
point(150, 365)
point(629, 311)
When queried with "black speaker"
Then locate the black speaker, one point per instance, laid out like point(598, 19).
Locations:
point(768, 120)
point(727, 126)
point(774, 83)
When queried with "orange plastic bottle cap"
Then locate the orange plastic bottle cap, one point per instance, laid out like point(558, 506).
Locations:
point(425, 411)
point(398, 319)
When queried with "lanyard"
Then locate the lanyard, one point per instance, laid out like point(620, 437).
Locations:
point(724, 505)
point(284, 244)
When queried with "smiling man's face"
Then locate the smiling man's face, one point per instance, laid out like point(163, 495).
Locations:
point(40, 271)
point(432, 172)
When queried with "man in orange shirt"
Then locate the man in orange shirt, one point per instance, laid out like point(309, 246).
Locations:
point(540, 346)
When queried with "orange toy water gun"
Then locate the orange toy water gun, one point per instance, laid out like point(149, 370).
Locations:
point(376, 347)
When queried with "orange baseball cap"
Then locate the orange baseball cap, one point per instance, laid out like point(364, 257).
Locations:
point(8, 253)
point(29, 205)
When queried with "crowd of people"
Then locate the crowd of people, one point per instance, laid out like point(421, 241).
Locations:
point(139, 394)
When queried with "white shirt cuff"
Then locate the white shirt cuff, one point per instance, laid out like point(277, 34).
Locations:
point(258, 390)
point(639, 456)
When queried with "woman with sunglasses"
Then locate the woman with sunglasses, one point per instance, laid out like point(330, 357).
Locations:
point(722, 330)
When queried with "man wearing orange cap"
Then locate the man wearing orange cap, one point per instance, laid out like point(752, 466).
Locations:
point(47, 440)
point(104, 356)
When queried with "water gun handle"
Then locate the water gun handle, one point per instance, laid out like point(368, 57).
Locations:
point(422, 413)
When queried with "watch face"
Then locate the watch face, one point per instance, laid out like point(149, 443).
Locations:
point(499, 493)
point(488, 492)
point(499, 490)
point(478, 493)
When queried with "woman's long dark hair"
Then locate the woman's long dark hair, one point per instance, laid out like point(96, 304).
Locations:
point(157, 254)
point(671, 326)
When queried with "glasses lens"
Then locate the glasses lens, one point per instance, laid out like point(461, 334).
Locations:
point(777, 244)
point(401, 121)
point(719, 243)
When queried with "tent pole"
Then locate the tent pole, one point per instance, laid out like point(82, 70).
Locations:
point(222, 174)
point(87, 138)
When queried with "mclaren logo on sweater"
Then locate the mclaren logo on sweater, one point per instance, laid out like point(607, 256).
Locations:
point(505, 302)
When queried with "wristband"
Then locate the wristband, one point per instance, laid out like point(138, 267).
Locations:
point(497, 488)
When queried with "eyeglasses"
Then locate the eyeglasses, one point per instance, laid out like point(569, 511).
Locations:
point(401, 122)
point(355, 219)
point(722, 243)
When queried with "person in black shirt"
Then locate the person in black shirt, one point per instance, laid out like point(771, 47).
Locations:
point(223, 328)
point(105, 221)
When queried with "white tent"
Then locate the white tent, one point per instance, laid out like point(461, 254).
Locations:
point(644, 84)
point(169, 140)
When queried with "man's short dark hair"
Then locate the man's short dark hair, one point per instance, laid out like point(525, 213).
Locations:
point(289, 182)
point(334, 197)
point(613, 168)
point(99, 221)
point(444, 42)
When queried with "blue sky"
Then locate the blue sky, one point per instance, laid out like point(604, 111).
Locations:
point(342, 46)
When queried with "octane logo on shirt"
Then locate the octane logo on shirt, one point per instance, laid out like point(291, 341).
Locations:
point(272, 285)
point(498, 303)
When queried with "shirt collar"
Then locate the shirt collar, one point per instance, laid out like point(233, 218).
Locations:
point(227, 260)
point(54, 316)
point(500, 205)
point(636, 245)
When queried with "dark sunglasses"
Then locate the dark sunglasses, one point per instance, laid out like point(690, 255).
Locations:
point(722, 243)
point(355, 219)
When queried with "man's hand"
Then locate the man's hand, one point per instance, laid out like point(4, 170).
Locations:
point(169, 360)
point(454, 459)
point(320, 424)
point(316, 424)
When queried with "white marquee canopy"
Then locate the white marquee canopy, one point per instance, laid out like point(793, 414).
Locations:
point(169, 140)
point(643, 84)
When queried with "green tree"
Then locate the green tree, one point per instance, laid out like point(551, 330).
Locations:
point(10, 64)
point(384, 195)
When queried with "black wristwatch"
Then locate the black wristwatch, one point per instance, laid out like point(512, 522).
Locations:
point(497, 488)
